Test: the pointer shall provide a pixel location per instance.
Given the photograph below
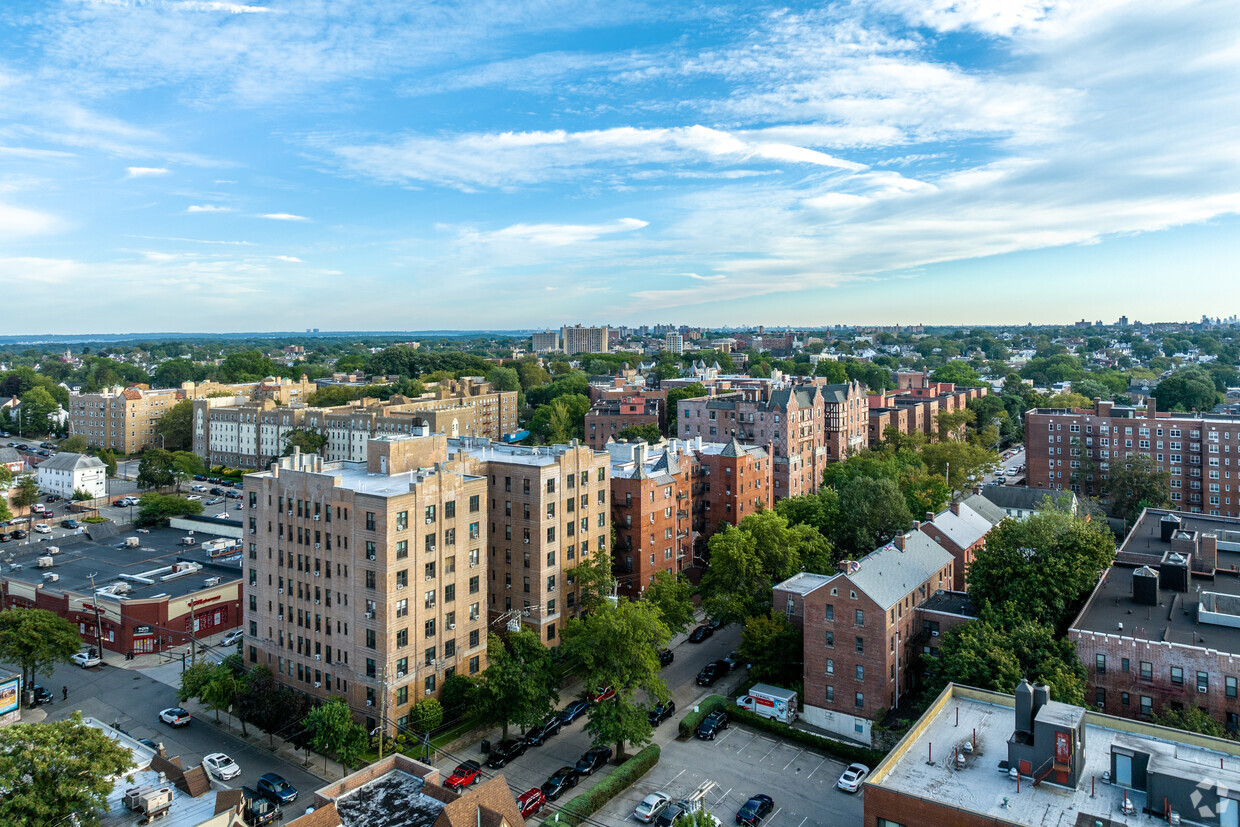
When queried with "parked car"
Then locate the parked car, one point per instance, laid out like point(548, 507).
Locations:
point(712, 672)
point(197, 488)
point(651, 806)
point(86, 660)
point(574, 711)
point(531, 802)
point(223, 515)
point(42, 528)
point(232, 637)
point(755, 809)
point(199, 477)
point(661, 712)
point(666, 657)
point(221, 766)
point(603, 693)
point(592, 760)
point(232, 495)
point(214, 501)
point(733, 659)
point(219, 492)
point(51, 498)
point(19, 534)
point(565, 778)
point(276, 788)
point(71, 523)
point(120, 503)
point(41, 695)
point(851, 780)
point(712, 724)
point(715, 623)
point(175, 716)
point(504, 752)
point(465, 774)
point(700, 634)
point(5, 537)
point(46, 445)
point(147, 742)
point(537, 735)
point(193, 498)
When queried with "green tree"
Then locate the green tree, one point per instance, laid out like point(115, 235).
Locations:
point(38, 406)
point(176, 427)
point(36, 640)
point(672, 596)
point(308, 440)
point(459, 694)
point(1134, 483)
point(108, 457)
point(677, 395)
point(155, 509)
point(1192, 719)
point(75, 444)
point(175, 372)
point(877, 512)
point(331, 729)
point(650, 433)
point(963, 459)
point(618, 646)
point(81, 496)
point(773, 649)
point(221, 691)
point(593, 580)
point(157, 469)
point(194, 680)
point(25, 492)
point(959, 373)
point(519, 685)
point(186, 465)
point(426, 715)
point(249, 366)
point(50, 770)
point(831, 370)
point(1188, 389)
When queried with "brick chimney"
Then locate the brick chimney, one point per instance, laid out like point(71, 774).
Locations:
point(955, 507)
point(899, 541)
point(1207, 552)
point(1102, 408)
point(929, 516)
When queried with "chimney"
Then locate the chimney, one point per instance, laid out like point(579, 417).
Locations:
point(1102, 408)
point(929, 516)
point(1207, 553)
point(1151, 408)
point(899, 541)
point(955, 507)
point(916, 525)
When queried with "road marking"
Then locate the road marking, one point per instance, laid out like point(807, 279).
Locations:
point(816, 769)
point(777, 812)
point(674, 777)
point(722, 797)
point(728, 735)
point(803, 821)
point(795, 757)
point(769, 751)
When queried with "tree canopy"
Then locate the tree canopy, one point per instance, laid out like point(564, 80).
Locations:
point(175, 426)
point(36, 640)
point(1134, 483)
point(332, 730)
point(519, 685)
point(155, 509)
point(1188, 389)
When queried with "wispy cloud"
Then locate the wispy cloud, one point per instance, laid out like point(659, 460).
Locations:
point(559, 235)
point(20, 222)
point(290, 259)
point(144, 172)
point(284, 216)
point(207, 208)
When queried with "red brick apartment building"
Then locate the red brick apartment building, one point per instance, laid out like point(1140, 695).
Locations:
point(608, 417)
point(1195, 449)
point(915, 406)
point(962, 531)
point(862, 630)
point(1162, 628)
point(807, 425)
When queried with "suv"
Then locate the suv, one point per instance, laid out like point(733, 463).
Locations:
point(504, 752)
point(536, 736)
point(712, 672)
point(713, 723)
point(661, 712)
point(531, 801)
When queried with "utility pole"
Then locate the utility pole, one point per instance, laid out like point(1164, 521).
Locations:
point(94, 602)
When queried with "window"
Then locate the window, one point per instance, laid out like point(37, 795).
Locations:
point(429, 628)
point(830, 612)
point(1203, 682)
point(402, 696)
point(860, 645)
point(1147, 705)
point(860, 618)
point(402, 638)
point(402, 549)
point(1177, 675)
point(1123, 665)
point(1124, 698)
point(1147, 671)
point(429, 684)
point(1100, 697)
point(473, 664)
point(370, 579)
point(370, 638)
point(1229, 683)
point(860, 672)
point(473, 508)
point(860, 700)
point(830, 640)
point(830, 694)
point(402, 520)
point(370, 521)
point(830, 666)
point(1100, 664)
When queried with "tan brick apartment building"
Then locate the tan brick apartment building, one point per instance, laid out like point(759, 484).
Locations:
point(608, 417)
point(1195, 449)
point(367, 580)
point(241, 434)
point(1162, 628)
point(862, 631)
point(547, 511)
point(578, 339)
point(808, 425)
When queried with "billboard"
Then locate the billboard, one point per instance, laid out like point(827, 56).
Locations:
point(10, 695)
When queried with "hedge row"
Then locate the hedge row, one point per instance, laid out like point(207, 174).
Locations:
point(689, 724)
point(593, 799)
point(848, 753)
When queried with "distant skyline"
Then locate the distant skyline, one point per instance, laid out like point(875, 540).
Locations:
point(214, 166)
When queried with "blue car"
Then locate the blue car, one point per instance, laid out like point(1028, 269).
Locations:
point(277, 789)
point(574, 711)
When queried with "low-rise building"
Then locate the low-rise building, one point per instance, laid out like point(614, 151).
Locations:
point(1020, 501)
point(962, 531)
point(65, 473)
point(608, 417)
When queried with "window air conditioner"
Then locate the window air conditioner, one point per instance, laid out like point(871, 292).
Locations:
point(316, 516)
point(934, 633)
point(318, 545)
point(253, 530)
point(400, 585)
point(370, 557)
point(281, 590)
point(451, 625)
point(431, 547)
point(290, 512)
point(430, 577)
point(317, 602)
point(318, 657)
point(318, 684)
point(430, 520)
point(370, 703)
point(370, 615)
point(1201, 689)
point(400, 674)
point(316, 574)
point(527, 539)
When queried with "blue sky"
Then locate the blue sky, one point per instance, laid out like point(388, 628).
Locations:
point(370, 164)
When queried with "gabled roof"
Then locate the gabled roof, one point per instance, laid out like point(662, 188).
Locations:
point(71, 462)
point(990, 512)
point(8, 455)
point(490, 804)
point(1021, 497)
point(888, 574)
point(733, 449)
point(963, 529)
point(323, 816)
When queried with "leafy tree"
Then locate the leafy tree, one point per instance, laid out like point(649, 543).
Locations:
point(261, 701)
point(108, 457)
point(674, 397)
point(672, 596)
point(157, 469)
point(308, 440)
point(773, 648)
point(1134, 483)
point(618, 646)
point(36, 640)
point(5, 513)
point(155, 509)
point(426, 715)
point(1188, 389)
point(959, 373)
point(877, 512)
point(221, 691)
point(248, 366)
point(186, 465)
point(1191, 719)
point(332, 730)
point(519, 685)
point(49, 770)
point(175, 372)
point(81, 496)
point(531, 374)
point(650, 433)
point(561, 419)
point(194, 680)
point(964, 460)
point(459, 694)
point(38, 406)
point(832, 371)
point(593, 580)
point(176, 426)
point(75, 444)
point(25, 492)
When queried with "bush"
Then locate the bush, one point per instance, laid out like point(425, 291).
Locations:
point(847, 753)
point(95, 520)
point(689, 724)
point(591, 801)
point(458, 694)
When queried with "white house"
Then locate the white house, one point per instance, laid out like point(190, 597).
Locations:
point(65, 473)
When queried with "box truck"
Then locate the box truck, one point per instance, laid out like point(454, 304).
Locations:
point(770, 702)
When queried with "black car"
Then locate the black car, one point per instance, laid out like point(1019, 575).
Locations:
point(712, 672)
point(700, 634)
point(51, 498)
point(216, 492)
point(536, 736)
point(666, 657)
point(19, 534)
point(755, 809)
point(504, 752)
point(232, 495)
point(592, 760)
point(71, 524)
point(661, 712)
point(713, 723)
point(670, 816)
point(574, 711)
point(199, 477)
point(565, 778)
point(41, 695)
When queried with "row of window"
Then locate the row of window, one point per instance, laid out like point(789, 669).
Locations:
point(1176, 674)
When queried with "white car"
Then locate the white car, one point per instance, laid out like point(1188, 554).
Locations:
point(232, 637)
point(851, 780)
point(42, 528)
point(197, 488)
point(651, 806)
point(175, 716)
point(193, 498)
point(223, 515)
point(221, 766)
point(86, 660)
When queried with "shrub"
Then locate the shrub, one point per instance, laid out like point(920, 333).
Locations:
point(591, 801)
point(95, 520)
point(458, 694)
point(689, 724)
point(847, 753)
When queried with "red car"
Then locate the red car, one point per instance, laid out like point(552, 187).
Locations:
point(531, 801)
point(603, 693)
point(464, 775)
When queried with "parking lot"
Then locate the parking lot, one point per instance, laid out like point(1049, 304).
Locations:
point(743, 763)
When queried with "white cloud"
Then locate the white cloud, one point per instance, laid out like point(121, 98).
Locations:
point(718, 277)
point(19, 222)
point(290, 259)
point(559, 235)
point(284, 216)
point(207, 208)
point(144, 172)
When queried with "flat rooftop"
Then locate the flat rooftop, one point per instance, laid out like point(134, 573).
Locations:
point(981, 788)
point(395, 799)
point(952, 603)
point(353, 476)
point(108, 559)
point(537, 456)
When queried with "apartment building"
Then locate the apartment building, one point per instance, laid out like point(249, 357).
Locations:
point(962, 531)
point(915, 406)
point(862, 631)
point(276, 388)
point(578, 339)
point(1162, 628)
point(545, 342)
point(367, 580)
point(121, 419)
point(674, 343)
point(652, 501)
point(608, 417)
point(247, 434)
point(808, 426)
point(548, 511)
point(733, 481)
point(1074, 449)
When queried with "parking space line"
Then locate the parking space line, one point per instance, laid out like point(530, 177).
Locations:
point(803, 821)
point(795, 757)
point(769, 751)
point(672, 780)
point(728, 735)
point(816, 769)
point(777, 812)
point(722, 798)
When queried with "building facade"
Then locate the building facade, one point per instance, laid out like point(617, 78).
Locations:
point(608, 417)
point(652, 502)
point(578, 339)
point(66, 473)
point(121, 419)
point(545, 342)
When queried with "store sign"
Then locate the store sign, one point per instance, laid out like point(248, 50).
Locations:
point(142, 631)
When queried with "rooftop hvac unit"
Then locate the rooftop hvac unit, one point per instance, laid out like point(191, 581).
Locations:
point(51, 576)
point(44, 562)
point(213, 581)
point(133, 796)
